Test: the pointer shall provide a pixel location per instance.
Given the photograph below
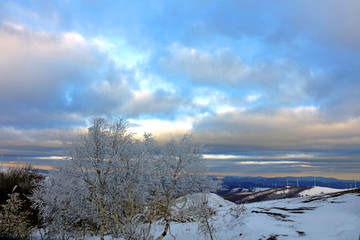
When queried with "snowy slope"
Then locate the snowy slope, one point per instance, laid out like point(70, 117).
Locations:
point(319, 190)
point(214, 200)
point(324, 217)
point(328, 217)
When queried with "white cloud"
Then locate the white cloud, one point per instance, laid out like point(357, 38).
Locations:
point(122, 52)
point(103, 44)
point(73, 38)
point(253, 97)
point(17, 27)
point(62, 74)
point(226, 109)
point(202, 67)
point(275, 82)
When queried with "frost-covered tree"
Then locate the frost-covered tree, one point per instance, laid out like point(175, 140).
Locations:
point(65, 206)
point(181, 173)
point(113, 183)
point(103, 185)
point(204, 213)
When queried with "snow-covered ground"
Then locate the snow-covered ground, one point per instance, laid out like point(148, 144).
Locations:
point(319, 190)
point(296, 218)
point(260, 189)
point(313, 217)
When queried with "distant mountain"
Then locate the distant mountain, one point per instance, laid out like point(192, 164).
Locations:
point(41, 171)
point(231, 182)
point(270, 194)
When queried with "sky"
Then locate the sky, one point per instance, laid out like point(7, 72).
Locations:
point(271, 88)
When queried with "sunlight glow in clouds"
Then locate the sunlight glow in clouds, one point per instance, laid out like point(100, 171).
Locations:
point(160, 128)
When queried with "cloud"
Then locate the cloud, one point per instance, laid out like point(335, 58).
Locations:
point(280, 81)
point(62, 78)
point(202, 67)
point(333, 23)
point(151, 103)
point(281, 23)
point(269, 84)
point(53, 82)
point(337, 93)
point(250, 77)
point(32, 141)
point(299, 129)
point(266, 162)
point(38, 69)
point(285, 165)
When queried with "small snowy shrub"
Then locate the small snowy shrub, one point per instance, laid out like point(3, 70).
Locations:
point(14, 223)
point(237, 211)
point(204, 213)
point(25, 179)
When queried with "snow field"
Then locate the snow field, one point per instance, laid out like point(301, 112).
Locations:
point(331, 219)
point(320, 190)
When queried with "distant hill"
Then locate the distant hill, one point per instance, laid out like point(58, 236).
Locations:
point(232, 182)
point(278, 193)
point(270, 194)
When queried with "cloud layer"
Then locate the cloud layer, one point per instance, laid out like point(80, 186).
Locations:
point(247, 78)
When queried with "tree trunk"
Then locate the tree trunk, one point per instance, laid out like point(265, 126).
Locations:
point(102, 224)
point(167, 226)
point(209, 228)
